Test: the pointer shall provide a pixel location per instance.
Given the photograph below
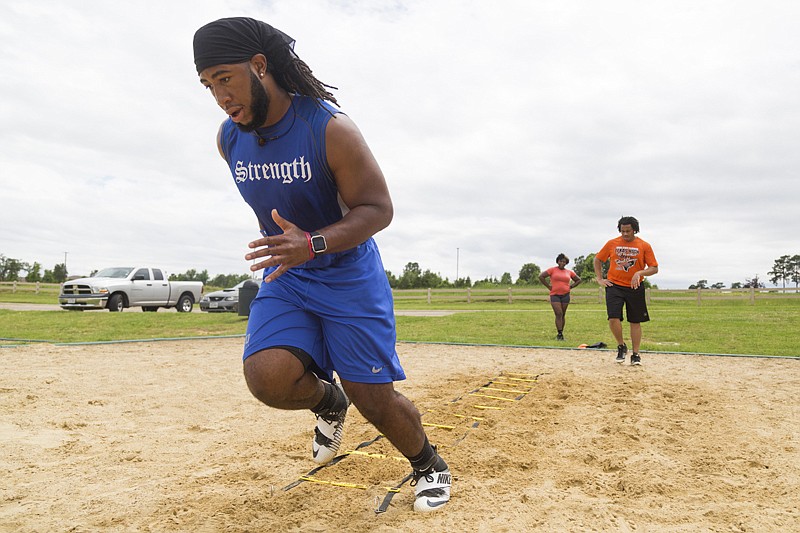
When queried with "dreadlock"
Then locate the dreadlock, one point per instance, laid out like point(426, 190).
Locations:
point(237, 39)
point(296, 77)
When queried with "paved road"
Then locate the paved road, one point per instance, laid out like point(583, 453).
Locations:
point(52, 307)
point(29, 307)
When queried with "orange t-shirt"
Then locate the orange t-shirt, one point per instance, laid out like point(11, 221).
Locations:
point(559, 280)
point(627, 258)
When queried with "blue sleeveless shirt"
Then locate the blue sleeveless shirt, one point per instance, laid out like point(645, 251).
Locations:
point(290, 172)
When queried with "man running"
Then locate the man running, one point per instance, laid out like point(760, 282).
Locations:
point(319, 195)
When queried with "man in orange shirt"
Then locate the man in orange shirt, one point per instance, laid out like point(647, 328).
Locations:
point(631, 260)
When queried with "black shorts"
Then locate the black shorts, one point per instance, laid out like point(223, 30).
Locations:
point(559, 298)
point(633, 300)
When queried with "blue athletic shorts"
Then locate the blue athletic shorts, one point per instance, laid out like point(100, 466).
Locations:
point(341, 315)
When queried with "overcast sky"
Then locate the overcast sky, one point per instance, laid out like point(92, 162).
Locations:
point(508, 131)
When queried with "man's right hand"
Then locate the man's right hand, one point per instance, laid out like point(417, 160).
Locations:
point(285, 251)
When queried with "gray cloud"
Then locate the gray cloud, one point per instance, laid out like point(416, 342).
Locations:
point(510, 131)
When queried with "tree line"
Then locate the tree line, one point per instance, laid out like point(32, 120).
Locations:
point(220, 280)
point(10, 270)
point(786, 269)
point(413, 277)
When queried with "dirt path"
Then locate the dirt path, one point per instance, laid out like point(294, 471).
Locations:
point(163, 436)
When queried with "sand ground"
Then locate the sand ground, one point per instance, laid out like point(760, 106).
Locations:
point(164, 436)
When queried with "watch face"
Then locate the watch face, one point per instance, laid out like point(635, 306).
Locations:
point(318, 244)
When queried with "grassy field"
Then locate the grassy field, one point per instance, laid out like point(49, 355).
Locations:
point(735, 328)
point(768, 327)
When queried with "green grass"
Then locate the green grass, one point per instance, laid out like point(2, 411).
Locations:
point(93, 326)
point(728, 326)
point(29, 297)
point(769, 328)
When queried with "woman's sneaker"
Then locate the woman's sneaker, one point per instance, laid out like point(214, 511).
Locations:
point(328, 433)
point(431, 488)
point(635, 359)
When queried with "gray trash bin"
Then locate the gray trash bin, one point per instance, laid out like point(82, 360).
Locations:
point(247, 293)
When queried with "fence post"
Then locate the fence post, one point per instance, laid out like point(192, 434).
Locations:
point(698, 296)
point(469, 295)
point(429, 296)
point(14, 286)
point(647, 295)
point(510, 298)
point(600, 294)
point(753, 295)
point(37, 287)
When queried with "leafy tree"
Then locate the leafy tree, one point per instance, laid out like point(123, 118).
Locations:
point(392, 279)
point(431, 280)
point(34, 273)
point(60, 273)
point(529, 274)
point(781, 270)
point(718, 285)
point(409, 279)
point(48, 277)
point(228, 280)
point(462, 283)
point(753, 283)
point(414, 278)
point(736, 285)
point(702, 284)
point(489, 281)
point(9, 268)
point(584, 267)
point(191, 275)
point(794, 270)
point(505, 279)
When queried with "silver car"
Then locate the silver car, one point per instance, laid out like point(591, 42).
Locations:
point(224, 300)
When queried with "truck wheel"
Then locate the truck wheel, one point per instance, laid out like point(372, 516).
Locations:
point(185, 304)
point(116, 303)
point(149, 309)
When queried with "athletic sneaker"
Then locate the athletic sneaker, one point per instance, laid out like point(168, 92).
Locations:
point(621, 351)
point(560, 337)
point(635, 359)
point(328, 433)
point(431, 489)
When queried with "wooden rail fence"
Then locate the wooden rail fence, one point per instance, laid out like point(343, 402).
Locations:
point(590, 294)
point(585, 295)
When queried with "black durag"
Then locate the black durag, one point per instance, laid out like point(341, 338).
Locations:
point(235, 40)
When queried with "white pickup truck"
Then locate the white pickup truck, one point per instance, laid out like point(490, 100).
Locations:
point(120, 287)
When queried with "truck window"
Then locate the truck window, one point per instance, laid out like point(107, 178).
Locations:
point(157, 274)
point(142, 273)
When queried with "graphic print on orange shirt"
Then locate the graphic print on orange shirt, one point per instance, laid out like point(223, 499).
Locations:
point(626, 257)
